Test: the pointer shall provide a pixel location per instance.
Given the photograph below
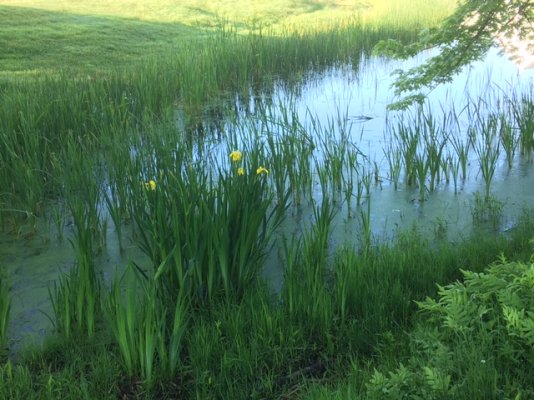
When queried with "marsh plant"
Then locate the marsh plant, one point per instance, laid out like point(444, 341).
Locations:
point(5, 306)
point(487, 147)
point(147, 328)
point(523, 115)
point(394, 159)
point(76, 296)
point(461, 147)
point(508, 138)
point(210, 225)
point(305, 293)
point(486, 209)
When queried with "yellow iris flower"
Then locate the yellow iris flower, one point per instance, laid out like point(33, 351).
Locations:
point(151, 184)
point(236, 156)
point(262, 170)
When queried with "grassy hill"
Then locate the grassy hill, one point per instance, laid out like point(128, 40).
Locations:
point(40, 36)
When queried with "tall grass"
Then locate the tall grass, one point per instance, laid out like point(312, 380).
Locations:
point(38, 114)
point(305, 294)
point(5, 306)
point(148, 330)
point(76, 297)
point(486, 146)
point(523, 113)
point(211, 222)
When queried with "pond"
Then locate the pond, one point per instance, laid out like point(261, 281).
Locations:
point(344, 105)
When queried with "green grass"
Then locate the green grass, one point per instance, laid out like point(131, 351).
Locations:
point(42, 41)
point(261, 346)
point(43, 37)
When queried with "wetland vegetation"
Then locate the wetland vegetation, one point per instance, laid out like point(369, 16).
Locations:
point(250, 263)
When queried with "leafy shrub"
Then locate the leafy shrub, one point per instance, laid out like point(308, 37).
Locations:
point(476, 340)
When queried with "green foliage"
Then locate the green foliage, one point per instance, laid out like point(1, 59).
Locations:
point(305, 292)
point(76, 297)
point(475, 341)
point(487, 209)
point(207, 224)
point(463, 37)
point(16, 382)
point(149, 336)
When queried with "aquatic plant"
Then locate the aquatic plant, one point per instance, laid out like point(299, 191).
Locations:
point(486, 209)
point(486, 145)
point(394, 158)
point(461, 147)
point(304, 292)
point(5, 306)
point(210, 225)
point(146, 329)
point(421, 166)
point(523, 115)
point(75, 297)
point(365, 219)
point(508, 138)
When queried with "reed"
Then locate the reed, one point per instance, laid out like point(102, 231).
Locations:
point(454, 168)
point(461, 147)
point(349, 175)
point(365, 219)
point(148, 331)
point(508, 139)
point(5, 307)
point(134, 325)
point(487, 148)
point(435, 140)
point(394, 158)
point(76, 297)
point(408, 139)
point(304, 292)
point(422, 167)
point(523, 115)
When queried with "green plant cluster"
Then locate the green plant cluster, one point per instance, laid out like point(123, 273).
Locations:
point(475, 340)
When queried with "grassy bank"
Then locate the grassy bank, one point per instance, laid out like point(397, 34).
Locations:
point(322, 339)
point(93, 37)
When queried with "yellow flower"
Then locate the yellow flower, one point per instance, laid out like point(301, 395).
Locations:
point(241, 171)
point(262, 170)
point(151, 184)
point(236, 156)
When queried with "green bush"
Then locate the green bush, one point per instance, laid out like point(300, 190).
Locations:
point(476, 340)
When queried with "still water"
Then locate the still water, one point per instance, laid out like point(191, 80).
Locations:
point(360, 99)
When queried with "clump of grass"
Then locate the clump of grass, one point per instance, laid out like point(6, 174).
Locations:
point(523, 115)
point(461, 147)
point(147, 330)
point(304, 293)
point(211, 223)
point(487, 209)
point(394, 159)
point(508, 138)
point(486, 146)
point(76, 297)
